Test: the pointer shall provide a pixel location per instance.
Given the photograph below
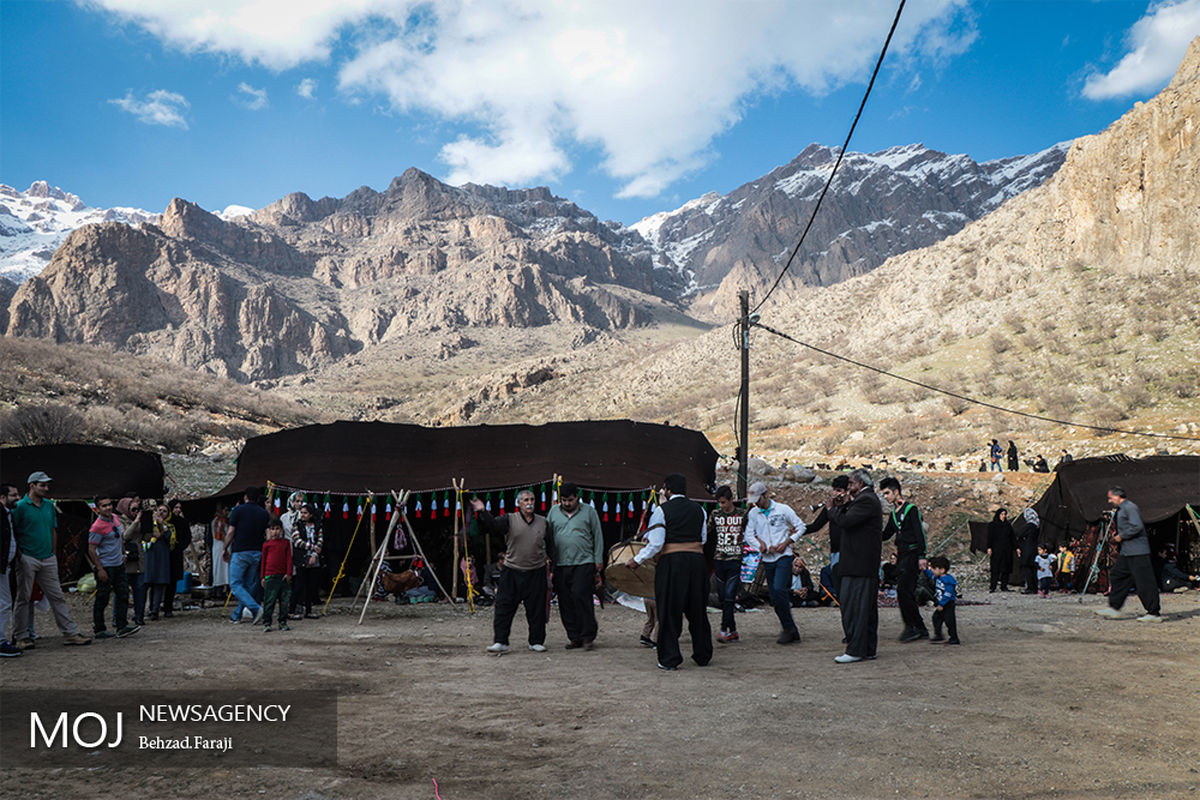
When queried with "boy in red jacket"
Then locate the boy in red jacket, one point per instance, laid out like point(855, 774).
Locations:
point(276, 572)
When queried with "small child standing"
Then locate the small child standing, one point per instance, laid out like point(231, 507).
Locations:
point(276, 572)
point(945, 595)
point(1066, 568)
point(1045, 570)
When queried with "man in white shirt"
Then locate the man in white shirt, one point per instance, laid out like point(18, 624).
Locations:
point(771, 529)
point(677, 529)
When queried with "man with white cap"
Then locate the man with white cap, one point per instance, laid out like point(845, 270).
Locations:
point(771, 529)
point(35, 524)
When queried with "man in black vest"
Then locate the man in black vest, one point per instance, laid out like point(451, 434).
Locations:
point(859, 516)
point(677, 529)
point(905, 524)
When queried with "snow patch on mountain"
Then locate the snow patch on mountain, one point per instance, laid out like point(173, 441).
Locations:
point(35, 222)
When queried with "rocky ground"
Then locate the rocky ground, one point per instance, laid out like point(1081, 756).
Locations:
point(1043, 699)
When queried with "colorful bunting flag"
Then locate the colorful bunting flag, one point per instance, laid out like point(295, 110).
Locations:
point(345, 508)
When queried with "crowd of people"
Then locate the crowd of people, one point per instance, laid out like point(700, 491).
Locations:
point(275, 565)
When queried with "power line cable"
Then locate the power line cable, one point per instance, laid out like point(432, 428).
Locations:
point(812, 217)
point(969, 399)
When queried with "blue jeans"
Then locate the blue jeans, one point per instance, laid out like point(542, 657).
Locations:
point(728, 575)
point(779, 579)
point(243, 580)
point(137, 600)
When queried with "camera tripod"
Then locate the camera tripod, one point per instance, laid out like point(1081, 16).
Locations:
point(1101, 543)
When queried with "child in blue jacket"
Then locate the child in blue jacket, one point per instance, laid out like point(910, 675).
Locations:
point(946, 593)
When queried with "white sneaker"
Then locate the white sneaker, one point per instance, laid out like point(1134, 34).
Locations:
point(258, 615)
point(846, 658)
point(1108, 611)
point(498, 648)
point(1149, 618)
point(538, 648)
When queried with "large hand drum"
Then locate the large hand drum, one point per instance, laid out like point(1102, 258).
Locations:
point(637, 582)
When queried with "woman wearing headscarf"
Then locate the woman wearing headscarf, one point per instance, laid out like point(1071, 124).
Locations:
point(1030, 537)
point(129, 510)
point(180, 539)
point(1014, 462)
point(308, 542)
point(156, 540)
point(220, 567)
point(1000, 543)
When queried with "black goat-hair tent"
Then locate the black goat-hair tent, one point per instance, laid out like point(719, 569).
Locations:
point(1072, 507)
point(85, 471)
point(614, 460)
point(79, 474)
point(354, 458)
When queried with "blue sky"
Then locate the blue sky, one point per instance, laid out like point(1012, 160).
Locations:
point(625, 107)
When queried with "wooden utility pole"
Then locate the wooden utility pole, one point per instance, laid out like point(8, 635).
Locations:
point(744, 395)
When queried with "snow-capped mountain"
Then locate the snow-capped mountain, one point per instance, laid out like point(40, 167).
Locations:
point(35, 222)
point(880, 204)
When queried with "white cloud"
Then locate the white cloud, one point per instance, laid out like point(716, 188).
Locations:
point(648, 85)
point(251, 98)
point(159, 107)
point(307, 88)
point(1157, 43)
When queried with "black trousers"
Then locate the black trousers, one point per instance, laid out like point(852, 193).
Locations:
point(575, 587)
point(1030, 567)
point(1130, 572)
point(906, 591)
point(946, 615)
point(1001, 568)
point(859, 598)
point(681, 590)
point(514, 588)
point(307, 589)
point(117, 584)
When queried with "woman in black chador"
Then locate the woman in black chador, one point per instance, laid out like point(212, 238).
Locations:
point(1000, 544)
point(1014, 464)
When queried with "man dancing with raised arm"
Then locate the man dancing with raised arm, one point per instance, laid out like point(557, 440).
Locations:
point(523, 579)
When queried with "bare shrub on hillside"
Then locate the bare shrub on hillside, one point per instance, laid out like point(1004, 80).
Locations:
point(955, 405)
point(955, 444)
point(1030, 340)
point(1060, 401)
point(52, 423)
point(1015, 321)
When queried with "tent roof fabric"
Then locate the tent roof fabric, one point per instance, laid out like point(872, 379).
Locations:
point(85, 471)
point(360, 457)
point(1159, 485)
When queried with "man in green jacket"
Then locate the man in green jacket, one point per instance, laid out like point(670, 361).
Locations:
point(579, 545)
point(35, 523)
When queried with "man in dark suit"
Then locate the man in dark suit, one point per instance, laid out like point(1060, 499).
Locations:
point(860, 518)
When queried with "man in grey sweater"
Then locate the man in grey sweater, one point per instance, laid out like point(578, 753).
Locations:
point(1133, 568)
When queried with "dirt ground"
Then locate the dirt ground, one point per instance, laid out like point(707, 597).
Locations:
point(1043, 700)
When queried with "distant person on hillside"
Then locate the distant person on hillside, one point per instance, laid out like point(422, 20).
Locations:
point(1133, 567)
point(994, 453)
point(1014, 462)
point(1063, 460)
point(905, 524)
point(1040, 465)
point(1000, 543)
